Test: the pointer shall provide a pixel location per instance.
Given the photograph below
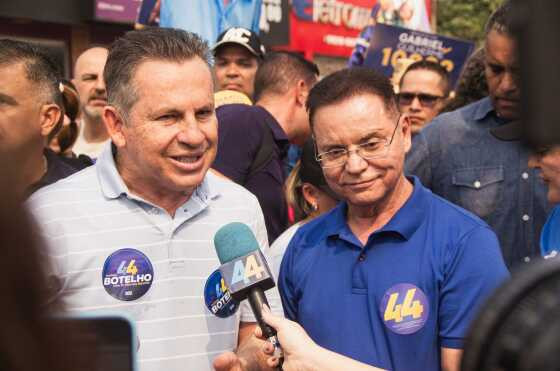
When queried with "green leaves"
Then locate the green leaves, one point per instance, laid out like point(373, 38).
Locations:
point(464, 19)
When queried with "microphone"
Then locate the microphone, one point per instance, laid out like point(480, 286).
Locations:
point(246, 273)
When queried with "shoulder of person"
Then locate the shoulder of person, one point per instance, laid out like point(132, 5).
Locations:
point(240, 116)
point(451, 214)
point(312, 233)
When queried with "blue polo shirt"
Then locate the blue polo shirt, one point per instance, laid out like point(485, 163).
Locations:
point(413, 288)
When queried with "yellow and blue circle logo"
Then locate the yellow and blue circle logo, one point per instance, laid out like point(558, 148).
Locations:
point(127, 274)
point(404, 309)
point(217, 297)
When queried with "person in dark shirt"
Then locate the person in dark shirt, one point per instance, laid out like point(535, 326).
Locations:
point(31, 110)
point(253, 140)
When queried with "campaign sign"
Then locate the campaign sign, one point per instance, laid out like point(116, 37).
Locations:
point(390, 43)
point(245, 272)
point(120, 11)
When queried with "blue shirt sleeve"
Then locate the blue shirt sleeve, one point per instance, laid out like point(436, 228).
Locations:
point(472, 271)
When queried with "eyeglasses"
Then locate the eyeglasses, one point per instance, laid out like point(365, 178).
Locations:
point(426, 100)
point(373, 148)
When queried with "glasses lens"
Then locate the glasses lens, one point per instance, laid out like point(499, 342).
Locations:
point(406, 98)
point(332, 158)
point(427, 100)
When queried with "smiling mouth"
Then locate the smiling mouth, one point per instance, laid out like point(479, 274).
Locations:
point(187, 159)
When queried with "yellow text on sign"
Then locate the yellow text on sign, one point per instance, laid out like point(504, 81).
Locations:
point(390, 55)
point(409, 307)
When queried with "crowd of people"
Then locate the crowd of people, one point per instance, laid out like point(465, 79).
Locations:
point(399, 217)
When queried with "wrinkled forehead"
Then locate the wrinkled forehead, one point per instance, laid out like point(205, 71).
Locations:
point(501, 49)
point(156, 79)
point(353, 119)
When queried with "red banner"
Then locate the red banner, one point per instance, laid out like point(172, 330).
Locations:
point(330, 27)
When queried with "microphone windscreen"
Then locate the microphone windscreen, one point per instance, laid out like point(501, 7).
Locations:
point(233, 241)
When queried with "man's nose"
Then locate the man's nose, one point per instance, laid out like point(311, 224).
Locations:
point(508, 84)
point(190, 134)
point(232, 70)
point(415, 105)
point(355, 163)
point(100, 85)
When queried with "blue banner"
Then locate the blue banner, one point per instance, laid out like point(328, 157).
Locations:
point(390, 43)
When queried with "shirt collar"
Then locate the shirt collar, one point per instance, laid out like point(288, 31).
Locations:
point(405, 221)
point(277, 132)
point(112, 185)
point(483, 109)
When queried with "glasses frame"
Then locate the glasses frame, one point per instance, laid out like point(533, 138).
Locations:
point(436, 98)
point(388, 142)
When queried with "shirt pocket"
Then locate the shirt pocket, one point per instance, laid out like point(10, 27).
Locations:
point(479, 189)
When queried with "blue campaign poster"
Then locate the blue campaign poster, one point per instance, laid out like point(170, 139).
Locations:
point(390, 43)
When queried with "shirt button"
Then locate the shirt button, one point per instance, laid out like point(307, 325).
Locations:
point(362, 257)
point(525, 176)
point(526, 259)
point(525, 218)
point(476, 184)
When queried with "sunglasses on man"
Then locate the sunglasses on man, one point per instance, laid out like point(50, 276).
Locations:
point(426, 100)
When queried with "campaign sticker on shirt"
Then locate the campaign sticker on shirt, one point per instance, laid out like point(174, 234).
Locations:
point(127, 274)
point(404, 308)
point(217, 297)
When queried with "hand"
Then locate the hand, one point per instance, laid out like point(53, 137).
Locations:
point(297, 345)
point(228, 361)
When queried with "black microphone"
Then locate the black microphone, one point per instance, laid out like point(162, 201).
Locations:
point(246, 273)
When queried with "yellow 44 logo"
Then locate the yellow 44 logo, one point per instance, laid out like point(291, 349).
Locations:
point(409, 307)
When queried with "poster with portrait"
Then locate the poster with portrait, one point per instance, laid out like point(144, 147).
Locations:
point(403, 13)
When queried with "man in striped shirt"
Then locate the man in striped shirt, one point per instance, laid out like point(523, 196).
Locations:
point(133, 234)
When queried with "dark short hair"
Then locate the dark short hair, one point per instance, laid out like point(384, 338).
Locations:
point(279, 71)
point(40, 69)
point(500, 20)
point(430, 66)
point(348, 83)
point(135, 47)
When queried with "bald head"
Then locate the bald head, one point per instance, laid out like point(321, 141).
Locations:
point(88, 78)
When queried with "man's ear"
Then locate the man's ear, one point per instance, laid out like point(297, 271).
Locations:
point(114, 123)
point(50, 115)
point(406, 132)
point(302, 91)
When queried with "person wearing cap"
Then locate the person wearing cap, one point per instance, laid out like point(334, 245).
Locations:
point(238, 53)
point(254, 139)
point(458, 159)
point(423, 91)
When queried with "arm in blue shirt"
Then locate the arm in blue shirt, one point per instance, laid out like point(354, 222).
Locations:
point(473, 269)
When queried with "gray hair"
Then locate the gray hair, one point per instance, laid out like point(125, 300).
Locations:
point(39, 67)
point(135, 47)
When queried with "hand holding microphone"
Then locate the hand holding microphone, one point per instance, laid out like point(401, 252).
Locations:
point(301, 352)
point(298, 347)
point(246, 273)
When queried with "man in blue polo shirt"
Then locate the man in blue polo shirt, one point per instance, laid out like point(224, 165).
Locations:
point(392, 276)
